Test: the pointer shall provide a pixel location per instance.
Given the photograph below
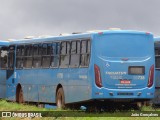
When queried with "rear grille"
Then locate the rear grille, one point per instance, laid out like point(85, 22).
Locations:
point(124, 93)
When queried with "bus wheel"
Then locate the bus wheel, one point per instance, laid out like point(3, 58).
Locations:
point(139, 105)
point(19, 98)
point(147, 103)
point(60, 99)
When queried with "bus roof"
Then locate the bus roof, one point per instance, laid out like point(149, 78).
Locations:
point(157, 39)
point(75, 36)
point(118, 31)
point(4, 43)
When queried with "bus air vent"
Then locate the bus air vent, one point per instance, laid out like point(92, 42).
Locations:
point(121, 93)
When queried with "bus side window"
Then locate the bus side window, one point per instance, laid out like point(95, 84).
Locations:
point(85, 53)
point(55, 54)
point(88, 47)
point(75, 54)
point(3, 58)
point(46, 52)
point(156, 51)
point(157, 58)
point(65, 54)
point(37, 56)
point(35, 50)
point(11, 57)
point(27, 56)
point(157, 62)
point(19, 56)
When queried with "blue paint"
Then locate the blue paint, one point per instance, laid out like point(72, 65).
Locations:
point(48, 106)
point(112, 51)
point(3, 73)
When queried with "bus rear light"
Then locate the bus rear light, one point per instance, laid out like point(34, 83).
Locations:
point(151, 76)
point(124, 59)
point(100, 33)
point(147, 33)
point(98, 79)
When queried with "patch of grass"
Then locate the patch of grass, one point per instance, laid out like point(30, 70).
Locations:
point(150, 108)
point(12, 106)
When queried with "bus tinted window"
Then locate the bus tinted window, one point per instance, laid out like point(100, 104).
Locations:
point(75, 56)
point(35, 50)
point(27, 62)
point(84, 60)
point(46, 58)
point(55, 49)
point(63, 48)
point(85, 53)
point(28, 50)
point(157, 58)
point(20, 51)
point(64, 58)
point(11, 57)
point(27, 59)
point(37, 56)
point(3, 57)
point(66, 54)
point(49, 49)
point(88, 47)
point(84, 46)
point(19, 58)
point(73, 47)
point(158, 62)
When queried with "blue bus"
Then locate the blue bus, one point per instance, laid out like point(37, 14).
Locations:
point(156, 99)
point(3, 65)
point(82, 69)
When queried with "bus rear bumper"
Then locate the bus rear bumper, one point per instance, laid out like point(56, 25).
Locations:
point(145, 93)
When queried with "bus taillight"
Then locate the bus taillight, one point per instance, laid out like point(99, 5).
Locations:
point(147, 33)
point(98, 79)
point(100, 33)
point(151, 76)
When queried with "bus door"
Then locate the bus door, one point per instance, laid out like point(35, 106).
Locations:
point(11, 74)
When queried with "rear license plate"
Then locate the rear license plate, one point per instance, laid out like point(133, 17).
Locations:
point(125, 81)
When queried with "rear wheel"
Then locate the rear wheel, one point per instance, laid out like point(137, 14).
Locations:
point(147, 103)
point(139, 105)
point(60, 101)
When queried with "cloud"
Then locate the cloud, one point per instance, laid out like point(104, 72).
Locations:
point(21, 18)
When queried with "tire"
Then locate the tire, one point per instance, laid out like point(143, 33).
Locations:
point(139, 105)
point(20, 95)
point(60, 100)
point(147, 103)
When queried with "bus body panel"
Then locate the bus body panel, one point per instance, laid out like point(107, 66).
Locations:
point(115, 54)
point(40, 84)
point(78, 85)
point(3, 72)
point(2, 83)
point(156, 99)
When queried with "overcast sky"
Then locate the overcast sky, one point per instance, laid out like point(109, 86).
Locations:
point(20, 18)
